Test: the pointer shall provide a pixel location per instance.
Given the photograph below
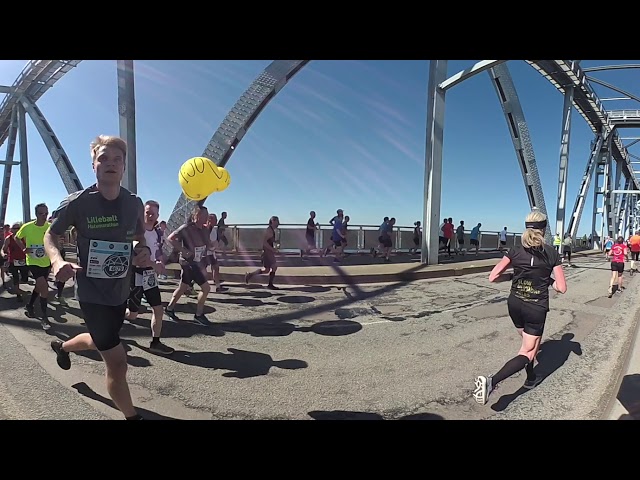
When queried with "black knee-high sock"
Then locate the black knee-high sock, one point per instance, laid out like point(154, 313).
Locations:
point(512, 367)
point(32, 300)
point(530, 373)
point(60, 286)
point(272, 275)
point(43, 307)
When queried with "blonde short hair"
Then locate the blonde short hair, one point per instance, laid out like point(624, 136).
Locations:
point(107, 141)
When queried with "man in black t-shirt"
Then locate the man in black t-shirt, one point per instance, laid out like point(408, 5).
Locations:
point(110, 241)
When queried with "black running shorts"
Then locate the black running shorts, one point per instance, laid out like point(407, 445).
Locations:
point(104, 323)
point(528, 317)
point(135, 297)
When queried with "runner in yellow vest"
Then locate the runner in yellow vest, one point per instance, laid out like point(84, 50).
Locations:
point(31, 234)
point(557, 241)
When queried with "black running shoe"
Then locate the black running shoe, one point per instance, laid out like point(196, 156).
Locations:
point(202, 320)
point(529, 384)
point(62, 357)
point(160, 348)
point(29, 311)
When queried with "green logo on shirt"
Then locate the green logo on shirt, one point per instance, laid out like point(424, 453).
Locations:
point(109, 221)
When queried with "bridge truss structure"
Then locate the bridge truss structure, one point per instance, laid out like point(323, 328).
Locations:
point(615, 189)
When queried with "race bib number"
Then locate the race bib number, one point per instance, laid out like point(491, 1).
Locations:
point(19, 263)
point(149, 280)
point(198, 252)
point(108, 259)
point(37, 251)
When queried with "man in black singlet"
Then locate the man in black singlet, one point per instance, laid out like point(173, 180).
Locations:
point(310, 234)
point(269, 264)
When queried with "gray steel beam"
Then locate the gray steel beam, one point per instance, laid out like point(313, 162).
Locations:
point(574, 220)
point(610, 67)
point(127, 115)
point(614, 88)
point(514, 115)
point(433, 162)
point(5, 89)
point(236, 124)
point(6, 178)
point(24, 163)
point(60, 159)
point(468, 73)
point(564, 161)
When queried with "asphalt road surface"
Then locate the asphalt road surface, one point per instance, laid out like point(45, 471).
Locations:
point(391, 351)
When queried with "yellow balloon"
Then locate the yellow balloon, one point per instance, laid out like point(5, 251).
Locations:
point(199, 177)
point(224, 179)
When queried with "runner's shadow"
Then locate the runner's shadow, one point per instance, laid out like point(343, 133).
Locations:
point(85, 390)
point(238, 363)
point(552, 355)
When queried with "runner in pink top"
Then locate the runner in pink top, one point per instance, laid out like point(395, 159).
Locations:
point(619, 252)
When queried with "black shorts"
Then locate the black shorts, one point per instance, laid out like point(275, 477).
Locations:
point(192, 273)
point(19, 273)
point(474, 241)
point(461, 241)
point(37, 272)
point(223, 238)
point(135, 297)
point(210, 260)
point(566, 250)
point(104, 323)
point(311, 240)
point(385, 241)
point(339, 243)
point(503, 243)
point(530, 318)
point(617, 267)
point(416, 241)
point(635, 255)
point(268, 260)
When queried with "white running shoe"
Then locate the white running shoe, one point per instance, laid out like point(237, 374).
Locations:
point(483, 389)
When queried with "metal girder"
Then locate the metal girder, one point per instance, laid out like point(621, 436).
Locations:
point(24, 163)
point(614, 88)
point(61, 161)
point(574, 220)
point(5, 89)
point(34, 80)
point(468, 73)
point(6, 179)
point(562, 73)
point(610, 67)
point(433, 163)
point(519, 131)
point(564, 161)
point(127, 117)
point(236, 124)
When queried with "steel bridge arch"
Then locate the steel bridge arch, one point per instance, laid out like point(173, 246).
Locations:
point(264, 88)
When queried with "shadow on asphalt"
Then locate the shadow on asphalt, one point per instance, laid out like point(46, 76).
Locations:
point(86, 391)
point(238, 363)
point(552, 355)
point(347, 415)
point(629, 396)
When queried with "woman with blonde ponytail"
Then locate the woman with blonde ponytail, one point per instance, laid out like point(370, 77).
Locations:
point(528, 303)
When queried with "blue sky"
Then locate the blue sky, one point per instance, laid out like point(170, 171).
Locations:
point(341, 134)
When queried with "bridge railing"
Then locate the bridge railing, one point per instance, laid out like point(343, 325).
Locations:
point(360, 238)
